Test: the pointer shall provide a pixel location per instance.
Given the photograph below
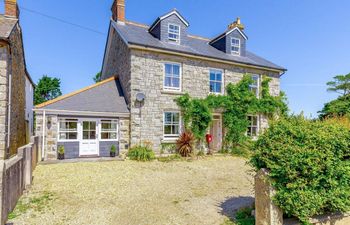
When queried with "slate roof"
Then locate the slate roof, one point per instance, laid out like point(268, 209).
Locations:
point(138, 34)
point(6, 26)
point(106, 96)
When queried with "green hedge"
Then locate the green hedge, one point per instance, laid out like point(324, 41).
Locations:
point(141, 153)
point(309, 165)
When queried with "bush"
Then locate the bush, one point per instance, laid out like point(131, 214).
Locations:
point(185, 144)
point(244, 216)
point(141, 153)
point(308, 163)
point(61, 149)
point(113, 149)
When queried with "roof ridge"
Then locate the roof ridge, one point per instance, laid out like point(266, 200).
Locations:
point(136, 24)
point(75, 92)
point(198, 37)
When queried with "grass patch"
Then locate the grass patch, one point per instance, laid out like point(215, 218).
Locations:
point(170, 158)
point(35, 204)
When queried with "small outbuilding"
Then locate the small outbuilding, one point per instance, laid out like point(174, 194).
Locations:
point(87, 122)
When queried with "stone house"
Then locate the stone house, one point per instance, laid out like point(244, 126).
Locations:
point(16, 86)
point(153, 65)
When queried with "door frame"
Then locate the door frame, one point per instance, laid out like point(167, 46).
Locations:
point(80, 135)
point(220, 128)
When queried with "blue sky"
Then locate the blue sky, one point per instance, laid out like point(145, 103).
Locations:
point(309, 38)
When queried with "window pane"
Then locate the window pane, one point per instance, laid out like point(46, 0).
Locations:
point(167, 82)
point(92, 135)
point(168, 68)
point(73, 125)
point(175, 82)
point(63, 136)
point(219, 77)
point(104, 135)
point(176, 70)
point(212, 76)
point(92, 125)
point(85, 125)
point(218, 87)
point(85, 135)
point(175, 129)
point(105, 126)
point(63, 125)
point(167, 129)
point(113, 135)
point(212, 86)
point(167, 118)
point(176, 117)
point(73, 135)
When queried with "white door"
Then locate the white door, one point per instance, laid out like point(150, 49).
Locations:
point(89, 139)
point(216, 132)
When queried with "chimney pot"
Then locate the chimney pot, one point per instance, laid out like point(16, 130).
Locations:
point(11, 8)
point(118, 10)
point(235, 24)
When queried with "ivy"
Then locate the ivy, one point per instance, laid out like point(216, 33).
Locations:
point(238, 102)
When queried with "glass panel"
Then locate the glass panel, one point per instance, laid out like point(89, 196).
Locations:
point(73, 136)
point(167, 118)
point(176, 117)
point(92, 135)
point(255, 121)
point(212, 84)
point(176, 70)
point(104, 136)
point(218, 87)
point(167, 129)
point(92, 125)
point(167, 81)
point(176, 82)
point(73, 125)
point(168, 68)
point(212, 76)
point(176, 129)
point(86, 125)
point(63, 136)
point(105, 126)
point(218, 77)
point(113, 126)
point(85, 135)
point(113, 135)
point(63, 125)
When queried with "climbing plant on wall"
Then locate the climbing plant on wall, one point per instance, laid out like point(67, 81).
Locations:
point(238, 102)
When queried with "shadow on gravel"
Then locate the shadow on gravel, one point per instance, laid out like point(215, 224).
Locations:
point(230, 206)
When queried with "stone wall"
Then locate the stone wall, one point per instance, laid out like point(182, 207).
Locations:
point(50, 134)
point(267, 213)
point(4, 57)
point(117, 61)
point(147, 69)
point(18, 96)
point(16, 176)
point(124, 136)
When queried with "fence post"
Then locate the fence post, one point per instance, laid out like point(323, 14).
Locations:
point(266, 212)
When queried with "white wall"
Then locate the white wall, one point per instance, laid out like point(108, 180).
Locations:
point(29, 105)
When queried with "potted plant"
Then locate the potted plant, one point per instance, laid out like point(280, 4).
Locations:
point(61, 152)
point(113, 151)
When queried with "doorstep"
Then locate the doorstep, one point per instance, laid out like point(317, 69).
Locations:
point(82, 159)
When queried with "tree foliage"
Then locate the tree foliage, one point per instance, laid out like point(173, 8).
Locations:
point(337, 107)
point(309, 165)
point(238, 102)
point(340, 84)
point(97, 77)
point(47, 89)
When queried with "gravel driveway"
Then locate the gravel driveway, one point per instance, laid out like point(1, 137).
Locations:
point(201, 192)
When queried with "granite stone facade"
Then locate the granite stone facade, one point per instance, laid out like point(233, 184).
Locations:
point(147, 76)
point(12, 65)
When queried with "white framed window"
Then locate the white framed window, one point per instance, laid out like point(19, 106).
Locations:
point(172, 76)
point(67, 129)
point(171, 125)
point(255, 86)
point(109, 130)
point(174, 32)
point(235, 46)
point(253, 127)
point(216, 81)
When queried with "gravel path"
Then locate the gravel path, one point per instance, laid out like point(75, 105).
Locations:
point(199, 192)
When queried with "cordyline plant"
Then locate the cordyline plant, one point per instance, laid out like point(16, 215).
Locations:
point(238, 102)
point(185, 144)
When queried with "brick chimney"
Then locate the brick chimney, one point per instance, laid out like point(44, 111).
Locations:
point(237, 24)
point(118, 10)
point(11, 8)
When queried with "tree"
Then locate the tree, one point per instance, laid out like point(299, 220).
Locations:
point(97, 77)
point(340, 84)
point(47, 88)
point(337, 107)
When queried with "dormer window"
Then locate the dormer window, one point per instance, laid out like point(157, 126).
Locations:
point(174, 33)
point(235, 46)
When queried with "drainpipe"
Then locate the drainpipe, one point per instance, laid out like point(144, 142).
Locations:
point(43, 141)
point(9, 115)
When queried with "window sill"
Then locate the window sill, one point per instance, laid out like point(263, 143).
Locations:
point(170, 92)
point(169, 140)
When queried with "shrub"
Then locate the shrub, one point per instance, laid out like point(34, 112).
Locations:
point(185, 144)
point(244, 216)
point(61, 150)
point(141, 153)
point(308, 163)
point(113, 149)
